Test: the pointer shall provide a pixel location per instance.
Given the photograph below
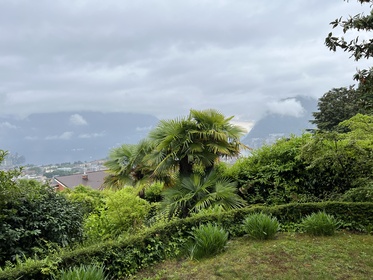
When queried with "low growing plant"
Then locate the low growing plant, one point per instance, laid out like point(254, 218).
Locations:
point(261, 226)
point(208, 240)
point(83, 272)
point(320, 224)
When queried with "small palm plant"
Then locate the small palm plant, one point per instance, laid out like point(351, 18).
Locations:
point(261, 226)
point(83, 272)
point(208, 240)
point(319, 224)
point(196, 192)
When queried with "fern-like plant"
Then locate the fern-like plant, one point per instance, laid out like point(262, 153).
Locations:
point(319, 224)
point(207, 240)
point(83, 272)
point(261, 226)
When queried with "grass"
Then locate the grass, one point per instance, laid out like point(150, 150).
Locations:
point(290, 256)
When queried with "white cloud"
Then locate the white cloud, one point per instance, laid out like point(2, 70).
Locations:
point(77, 119)
point(146, 128)
point(92, 135)
point(7, 125)
point(288, 107)
point(64, 136)
point(31, 138)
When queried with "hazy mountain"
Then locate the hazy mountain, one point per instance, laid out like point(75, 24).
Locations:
point(274, 125)
point(68, 137)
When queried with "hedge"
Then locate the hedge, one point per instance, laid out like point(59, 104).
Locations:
point(125, 257)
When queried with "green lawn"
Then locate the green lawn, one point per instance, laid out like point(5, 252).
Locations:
point(290, 256)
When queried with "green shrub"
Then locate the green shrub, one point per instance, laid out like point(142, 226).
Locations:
point(123, 211)
point(261, 226)
point(125, 256)
point(208, 240)
point(320, 224)
point(35, 219)
point(90, 200)
point(153, 193)
point(83, 272)
point(361, 194)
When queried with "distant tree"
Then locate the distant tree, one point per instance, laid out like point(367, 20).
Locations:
point(340, 104)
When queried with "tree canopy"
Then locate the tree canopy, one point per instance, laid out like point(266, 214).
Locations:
point(187, 145)
point(340, 104)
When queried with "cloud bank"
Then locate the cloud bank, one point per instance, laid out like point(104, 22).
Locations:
point(166, 57)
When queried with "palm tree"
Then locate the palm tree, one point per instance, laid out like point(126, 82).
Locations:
point(126, 164)
point(194, 143)
point(197, 192)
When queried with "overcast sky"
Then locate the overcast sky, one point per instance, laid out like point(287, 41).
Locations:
point(164, 57)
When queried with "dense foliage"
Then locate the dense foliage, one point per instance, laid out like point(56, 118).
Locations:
point(340, 104)
point(311, 167)
point(274, 174)
point(197, 192)
point(36, 218)
point(124, 257)
point(123, 211)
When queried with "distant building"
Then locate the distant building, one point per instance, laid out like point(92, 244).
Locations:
point(95, 180)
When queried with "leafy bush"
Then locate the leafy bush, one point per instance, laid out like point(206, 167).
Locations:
point(90, 200)
point(261, 226)
point(36, 217)
point(123, 211)
point(125, 256)
point(153, 193)
point(83, 272)
point(208, 240)
point(361, 194)
point(274, 174)
point(320, 224)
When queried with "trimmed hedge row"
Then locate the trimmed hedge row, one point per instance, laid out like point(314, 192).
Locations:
point(125, 257)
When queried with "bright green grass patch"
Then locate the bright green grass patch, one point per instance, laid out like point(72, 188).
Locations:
point(290, 256)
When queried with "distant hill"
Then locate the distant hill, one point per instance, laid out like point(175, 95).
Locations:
point(75, 136)
point(274, 126)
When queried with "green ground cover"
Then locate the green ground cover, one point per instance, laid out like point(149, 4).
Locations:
point(289, 256)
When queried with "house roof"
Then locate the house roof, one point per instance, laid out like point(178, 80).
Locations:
point(94, 180)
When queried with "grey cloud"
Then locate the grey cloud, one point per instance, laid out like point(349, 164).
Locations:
point(165, 57)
